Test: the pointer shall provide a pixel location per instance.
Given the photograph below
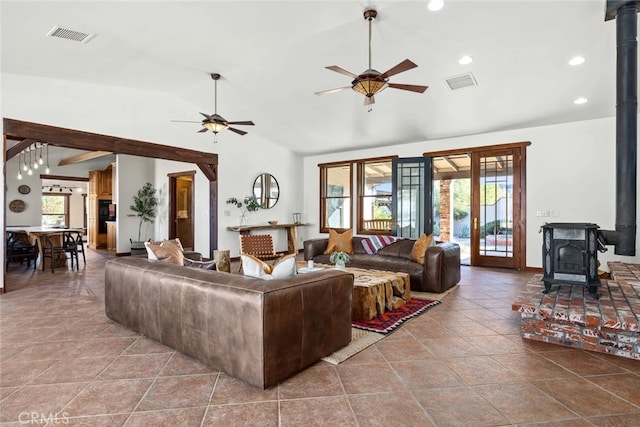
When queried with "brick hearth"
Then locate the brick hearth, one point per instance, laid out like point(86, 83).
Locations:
point(568, 316)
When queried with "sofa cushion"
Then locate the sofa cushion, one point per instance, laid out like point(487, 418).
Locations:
point(420, 248)
point(167, 252)
point(340, 242)
point(206, 265)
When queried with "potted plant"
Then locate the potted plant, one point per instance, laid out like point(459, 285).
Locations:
point(339, 259)
point(247, 205)
point(144, 205)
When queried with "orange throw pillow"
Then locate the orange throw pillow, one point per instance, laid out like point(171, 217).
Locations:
point(340, 242)
point(420, 248)
point(168, 252)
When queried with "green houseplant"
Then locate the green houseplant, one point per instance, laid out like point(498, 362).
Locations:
point(246, 205)
point(339, 259)
point(145, 203)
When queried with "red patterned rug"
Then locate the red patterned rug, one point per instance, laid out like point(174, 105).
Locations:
point(390, 321)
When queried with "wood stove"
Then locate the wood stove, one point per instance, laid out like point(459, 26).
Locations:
point(570, 255)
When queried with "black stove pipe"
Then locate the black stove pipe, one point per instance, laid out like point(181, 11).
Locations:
point(624, 236)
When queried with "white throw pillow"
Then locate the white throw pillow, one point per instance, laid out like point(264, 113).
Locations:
point(254, 267)
point(284, 268)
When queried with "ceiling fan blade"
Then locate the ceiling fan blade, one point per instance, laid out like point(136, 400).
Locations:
point(412, 88)
point(401, 67)
point(238, 131)
point(341, 71)
point(203, 130)
point(328, 91)
point(185, 121)
point(369, 100)
point(208, 117)
point(245, 123)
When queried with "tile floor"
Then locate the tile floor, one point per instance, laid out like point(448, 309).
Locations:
point(463, 363)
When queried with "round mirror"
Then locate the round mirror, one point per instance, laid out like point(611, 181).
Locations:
point(266, 190)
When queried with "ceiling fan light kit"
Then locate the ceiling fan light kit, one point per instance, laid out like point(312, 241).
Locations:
point(371, 81)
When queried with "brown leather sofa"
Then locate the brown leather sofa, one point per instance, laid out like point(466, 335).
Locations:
point(260, 332)
point(440, 271)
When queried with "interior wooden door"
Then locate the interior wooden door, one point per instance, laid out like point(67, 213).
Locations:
point(496, 204)
point(181, 208)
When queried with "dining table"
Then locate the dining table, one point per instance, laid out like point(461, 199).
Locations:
point(35, 234)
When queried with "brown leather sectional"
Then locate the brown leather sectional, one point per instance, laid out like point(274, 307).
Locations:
point(440, 271)
point(260, 332)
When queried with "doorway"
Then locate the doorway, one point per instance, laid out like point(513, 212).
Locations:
point(479, 203)
point(181, 208)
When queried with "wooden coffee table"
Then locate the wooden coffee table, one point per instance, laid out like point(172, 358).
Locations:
point(376, 291)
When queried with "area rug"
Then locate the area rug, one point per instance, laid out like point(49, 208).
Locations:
point(433, 295)
point(360, 339)
point(389, 321)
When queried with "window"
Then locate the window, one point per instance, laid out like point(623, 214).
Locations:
point(55, 210)
point(335, 196)
point(374, 196)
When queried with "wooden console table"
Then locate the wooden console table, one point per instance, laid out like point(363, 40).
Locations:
point(291, 229)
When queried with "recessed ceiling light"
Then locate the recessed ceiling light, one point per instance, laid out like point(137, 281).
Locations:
point(581, 100)
point(576, 60)
point(465, 60)
point(435, 5)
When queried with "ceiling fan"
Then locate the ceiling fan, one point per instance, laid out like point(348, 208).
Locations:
point(215, 122)
point(371, 81)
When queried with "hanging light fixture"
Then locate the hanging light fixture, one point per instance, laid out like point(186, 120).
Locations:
point(24, 160)
point(35, 156)
point(47, 147)
point(30, 171)
point(19, 170)
point(40, 161)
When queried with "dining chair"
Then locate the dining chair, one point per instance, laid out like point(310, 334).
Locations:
point(19, 248)
point(259, 245)
point(55, 244)
point(77, 237)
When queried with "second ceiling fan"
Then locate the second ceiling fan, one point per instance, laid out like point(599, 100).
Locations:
point(371, 81)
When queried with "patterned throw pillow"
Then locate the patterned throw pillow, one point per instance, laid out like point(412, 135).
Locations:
point(373, 244)
point(420, 248)
point(340, 242)
point(205, 265)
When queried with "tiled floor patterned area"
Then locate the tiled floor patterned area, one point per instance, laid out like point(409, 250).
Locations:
point(463, 363)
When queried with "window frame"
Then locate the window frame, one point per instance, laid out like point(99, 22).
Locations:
point(324, 167)
point(360, 195)
point(66, 207)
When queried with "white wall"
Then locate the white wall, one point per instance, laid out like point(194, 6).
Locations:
point(570, 171)
point(132, 173)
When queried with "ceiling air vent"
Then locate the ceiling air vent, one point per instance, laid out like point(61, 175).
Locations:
point(463, 80)
point(65, 33)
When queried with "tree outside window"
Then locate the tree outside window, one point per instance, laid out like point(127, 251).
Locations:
point(55, 210)
point(335, 199)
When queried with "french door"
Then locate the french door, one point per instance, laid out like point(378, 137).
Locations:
point(495, 208)
point(479, 203)
point(411, 183)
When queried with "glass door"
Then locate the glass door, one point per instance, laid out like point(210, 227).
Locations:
point(411, 197)
point(496, 203)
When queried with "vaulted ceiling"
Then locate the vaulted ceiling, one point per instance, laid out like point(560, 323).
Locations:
point(272, 55)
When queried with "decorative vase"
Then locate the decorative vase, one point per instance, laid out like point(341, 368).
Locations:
point(340, 265)
point(243, 220)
